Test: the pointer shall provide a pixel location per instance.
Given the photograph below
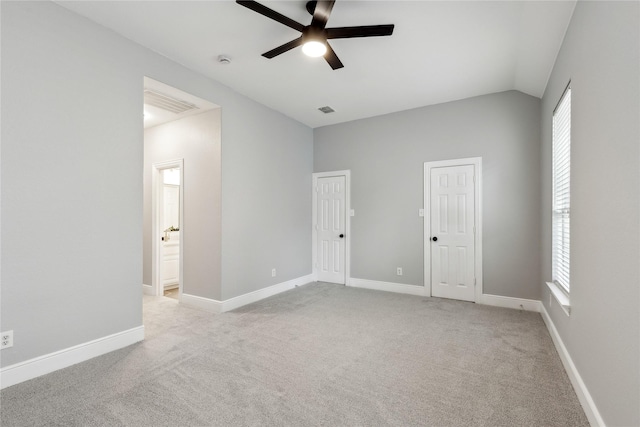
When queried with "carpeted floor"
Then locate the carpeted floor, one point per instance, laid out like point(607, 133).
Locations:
point(320, 354)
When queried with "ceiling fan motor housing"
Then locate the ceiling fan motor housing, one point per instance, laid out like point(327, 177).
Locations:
point(314, 34)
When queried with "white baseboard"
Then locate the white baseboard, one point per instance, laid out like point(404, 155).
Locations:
point(251, 297)
point(486, 299)
point(207, 304)
point(509, 302)
point(215, 306)
point(42, 365)
point(399, 288)
point(147, 290)
point(588, 405)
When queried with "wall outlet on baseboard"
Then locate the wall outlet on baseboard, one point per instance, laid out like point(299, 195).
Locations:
point(399, 271)
point(7, 340)
point(273, 272)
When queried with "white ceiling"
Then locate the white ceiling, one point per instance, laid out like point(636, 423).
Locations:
point(440, 51)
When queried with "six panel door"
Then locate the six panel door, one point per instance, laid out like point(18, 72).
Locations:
point(330, 229)
point(452, 232)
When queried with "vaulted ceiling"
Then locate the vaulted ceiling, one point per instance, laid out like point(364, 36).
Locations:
point(440, 51)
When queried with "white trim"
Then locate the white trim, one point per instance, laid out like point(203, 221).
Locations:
point(347, 213)
point(202, 303)
point(399, 288)
point(486, 299)
point(561, 297)
point(215, 306)
point(147, 290)
point(251, 297)
point(42, 365)
point(509, 302)
point(156, 202)
point(588, 405)
point(477, 163)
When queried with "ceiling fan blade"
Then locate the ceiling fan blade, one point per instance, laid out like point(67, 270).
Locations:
point(270, 13)
point(332, 58)
point(362, 31)
point(321, 13)
point(283, 48)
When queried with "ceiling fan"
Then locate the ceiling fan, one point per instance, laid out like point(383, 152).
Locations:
point(315, 36)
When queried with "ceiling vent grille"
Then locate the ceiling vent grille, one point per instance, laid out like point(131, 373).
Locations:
point(166, 102)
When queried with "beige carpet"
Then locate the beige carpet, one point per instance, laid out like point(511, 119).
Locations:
point(320, 354)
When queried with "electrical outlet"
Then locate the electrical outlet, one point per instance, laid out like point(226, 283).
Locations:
point(399, 271)
point(273, 272)
point(7, 340)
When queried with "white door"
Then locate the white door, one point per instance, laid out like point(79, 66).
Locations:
point(171, 239)
point(171, 210)
point(331, 229)
point(171, 259)
point(452, 232)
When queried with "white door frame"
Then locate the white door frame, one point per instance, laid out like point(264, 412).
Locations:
point(347, 214)
point(156, 225)
point(477, 163)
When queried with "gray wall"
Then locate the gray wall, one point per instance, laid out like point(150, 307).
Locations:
point(196, 139)
point(600, 57)
point(266, 202)
point(386, 155)
point(72, 96)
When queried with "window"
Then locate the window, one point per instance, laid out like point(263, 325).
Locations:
point(561, 140)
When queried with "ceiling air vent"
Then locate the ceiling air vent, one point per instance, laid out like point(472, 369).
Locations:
point(326, 109)
point(166, 102)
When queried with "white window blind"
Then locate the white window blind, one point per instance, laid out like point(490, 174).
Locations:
point(561, 191)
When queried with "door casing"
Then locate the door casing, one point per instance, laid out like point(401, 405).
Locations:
point(347, 213)
point(477, 163)
point(156, 225)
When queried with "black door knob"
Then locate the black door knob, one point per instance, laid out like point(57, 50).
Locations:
point(435, 239)
point(342, 236)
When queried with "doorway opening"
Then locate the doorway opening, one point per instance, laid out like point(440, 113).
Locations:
point(182, 194)
point(452, 229)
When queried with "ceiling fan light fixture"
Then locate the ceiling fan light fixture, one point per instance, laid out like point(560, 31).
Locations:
point(314, 48)
point(315, 35)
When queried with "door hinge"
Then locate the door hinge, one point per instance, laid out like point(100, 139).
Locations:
point(474, 281)
point(474, 178)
